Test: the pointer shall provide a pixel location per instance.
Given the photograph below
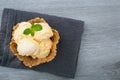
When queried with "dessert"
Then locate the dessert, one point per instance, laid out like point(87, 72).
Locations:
point(34, 42)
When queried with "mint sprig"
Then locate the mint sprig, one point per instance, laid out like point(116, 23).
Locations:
point(32, 29)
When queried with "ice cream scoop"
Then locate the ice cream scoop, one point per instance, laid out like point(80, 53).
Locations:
point(44, 49)
point(18, 33)
point(27, 47)
point(45, 33)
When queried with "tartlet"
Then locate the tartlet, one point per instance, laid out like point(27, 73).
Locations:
point(29, 60)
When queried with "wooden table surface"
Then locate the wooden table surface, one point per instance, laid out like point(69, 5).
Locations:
point(99, 57)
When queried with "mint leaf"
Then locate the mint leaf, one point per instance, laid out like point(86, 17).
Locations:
point(32, 32)
point(27, 31)
point(36, 27)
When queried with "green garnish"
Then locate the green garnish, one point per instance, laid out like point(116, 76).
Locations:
point(32, 29)
point(27, 31)
point(36, 27)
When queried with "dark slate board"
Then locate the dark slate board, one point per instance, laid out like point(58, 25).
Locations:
point(70, 31)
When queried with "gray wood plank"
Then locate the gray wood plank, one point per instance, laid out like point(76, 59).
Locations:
point(100, 47)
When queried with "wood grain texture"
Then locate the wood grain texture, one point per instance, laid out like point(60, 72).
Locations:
point(99, 57)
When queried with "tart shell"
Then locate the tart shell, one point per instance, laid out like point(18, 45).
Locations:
point(28, 60)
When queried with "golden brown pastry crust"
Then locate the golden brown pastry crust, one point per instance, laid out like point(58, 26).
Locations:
point(28, 60)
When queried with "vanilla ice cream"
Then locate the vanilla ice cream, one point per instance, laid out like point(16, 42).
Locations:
point(45, 33)
point(37, 46)
point(44, 49)
point(27, 46)
point(18, 33)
